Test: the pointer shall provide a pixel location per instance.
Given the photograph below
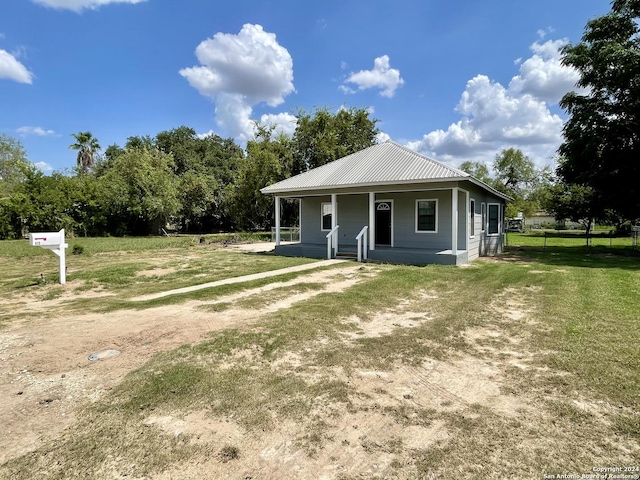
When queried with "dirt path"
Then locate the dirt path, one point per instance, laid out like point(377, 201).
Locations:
point(45, 373)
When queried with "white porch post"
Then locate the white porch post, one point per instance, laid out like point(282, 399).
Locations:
point(334, 220)
point(372, 220)
point(277, 220)
point(454, 220)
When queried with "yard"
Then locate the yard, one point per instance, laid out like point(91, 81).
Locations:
point(508, 368)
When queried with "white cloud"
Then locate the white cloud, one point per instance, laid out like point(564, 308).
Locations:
point(494, 118)
point(79, 5)
point(39, 131)
point(43, 167)
point(382, 137)
point(382, 76)
point(283, 122)
point(210, 133)
point(240, 71)
point(543, 75)
point(12, 69)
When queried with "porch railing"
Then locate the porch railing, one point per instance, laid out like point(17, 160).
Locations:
point(332, 241)
point(362, 253)
point(287, 234)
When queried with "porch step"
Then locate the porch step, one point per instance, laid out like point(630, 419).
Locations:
point(347, 255)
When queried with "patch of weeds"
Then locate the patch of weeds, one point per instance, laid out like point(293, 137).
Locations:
point(77, 249)
point(407, 415)
point(104, 442)
point(628, 425)
point(228, 453)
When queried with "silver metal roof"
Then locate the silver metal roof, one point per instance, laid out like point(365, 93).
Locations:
point(386, 163)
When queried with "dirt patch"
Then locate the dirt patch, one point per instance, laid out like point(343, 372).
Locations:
point(45, 372)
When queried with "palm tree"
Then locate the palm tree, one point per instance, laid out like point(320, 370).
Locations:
point(87, 145)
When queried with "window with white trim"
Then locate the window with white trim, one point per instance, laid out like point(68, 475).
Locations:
point(426, 216)
point(326, 217)
point(494, 219)
point(483, 214)
point(472, 217)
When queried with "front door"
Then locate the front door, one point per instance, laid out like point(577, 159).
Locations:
point(383, 223)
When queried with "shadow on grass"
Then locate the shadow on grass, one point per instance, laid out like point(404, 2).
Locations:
point(578, 256)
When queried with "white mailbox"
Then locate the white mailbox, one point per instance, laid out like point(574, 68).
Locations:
point(46, 239)
point(53, 241)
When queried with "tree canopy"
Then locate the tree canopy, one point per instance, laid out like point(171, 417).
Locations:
point(601, 147)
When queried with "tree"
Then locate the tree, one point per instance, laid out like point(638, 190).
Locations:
point(266, 163)
point(87, 146)
point(602, 135)
point(477, 170)
point(14, 166)
point(516, 176)
point(576, 203)
point(140, 191)
point(323, 137)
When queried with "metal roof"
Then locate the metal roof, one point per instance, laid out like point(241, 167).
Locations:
point(386, 163)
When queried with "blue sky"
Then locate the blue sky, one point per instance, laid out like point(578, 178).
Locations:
point(453, 79)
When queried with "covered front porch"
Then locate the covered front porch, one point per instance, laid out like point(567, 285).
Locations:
point(419, 227)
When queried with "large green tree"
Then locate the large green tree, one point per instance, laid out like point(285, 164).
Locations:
point(87, 146)
point(324, 136)
point(140, 191)
point(268, 160)
point(14, 165)
point(601, 144)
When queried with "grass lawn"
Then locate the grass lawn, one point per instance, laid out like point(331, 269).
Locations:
point(511, 368)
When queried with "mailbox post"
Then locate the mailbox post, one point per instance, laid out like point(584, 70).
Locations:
point(53, 241)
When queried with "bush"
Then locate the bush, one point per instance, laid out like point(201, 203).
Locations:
point(77, 249)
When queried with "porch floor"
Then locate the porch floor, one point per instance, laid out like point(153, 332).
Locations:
point(408, 256)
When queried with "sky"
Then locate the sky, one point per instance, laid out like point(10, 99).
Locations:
point(455, 80)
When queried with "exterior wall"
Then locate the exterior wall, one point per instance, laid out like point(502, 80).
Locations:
point(481, 243)
point(404, 219)
point(353, 214)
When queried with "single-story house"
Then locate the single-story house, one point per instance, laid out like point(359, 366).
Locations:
point(389, 203)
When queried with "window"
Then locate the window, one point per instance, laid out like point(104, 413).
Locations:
point(483, 209)
point(326, 216)
point(426, 216)
point(472, 218)
point(494, 219)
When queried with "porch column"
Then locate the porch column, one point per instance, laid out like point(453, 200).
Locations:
point(454, 220)
point(277, 220)
point(372, 221)
point(334, 220)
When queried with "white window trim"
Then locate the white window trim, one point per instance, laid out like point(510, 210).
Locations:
point(499, 223)
point(472, 215)
point(322, 204)
point(483, 218)
point(416, 215)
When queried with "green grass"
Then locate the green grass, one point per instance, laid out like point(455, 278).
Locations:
point(599, 241)
point(581, 337)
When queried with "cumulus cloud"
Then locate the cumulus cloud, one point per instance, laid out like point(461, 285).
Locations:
point(12, 69)
point(79, 5)
point(43, 167)
point(382, 76)
point(543, 75)
point(39, 131)
point(494, 117)
point(283, 122)
point(240, 71)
